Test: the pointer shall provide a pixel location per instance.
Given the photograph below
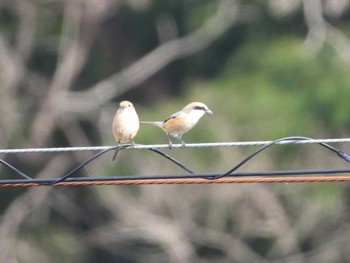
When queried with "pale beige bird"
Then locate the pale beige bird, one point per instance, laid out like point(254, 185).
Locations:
point(125, 125)
point(182, 121)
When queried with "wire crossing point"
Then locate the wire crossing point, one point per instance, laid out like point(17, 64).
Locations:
point(192, 177)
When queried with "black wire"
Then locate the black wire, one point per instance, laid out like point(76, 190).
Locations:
point(15, 169)
point(82, 165)
point(120, 147)
point(177, 176)
point(212, 176)
point(341, 154)
point(173, 160)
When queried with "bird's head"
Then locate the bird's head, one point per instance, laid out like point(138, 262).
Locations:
point(197, 108)
point(125, 105)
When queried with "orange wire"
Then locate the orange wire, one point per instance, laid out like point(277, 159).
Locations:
point(225, 180)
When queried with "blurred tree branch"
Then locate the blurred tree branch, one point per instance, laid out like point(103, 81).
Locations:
point(81, 19)
point(102, 92)
point(74, 47)
point(224, 219)
point(320, 31)
point(17, 213)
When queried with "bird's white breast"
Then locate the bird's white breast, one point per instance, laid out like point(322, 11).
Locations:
point(126, 125)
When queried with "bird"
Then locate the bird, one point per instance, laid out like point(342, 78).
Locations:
point(182, 121)
point(125, 125)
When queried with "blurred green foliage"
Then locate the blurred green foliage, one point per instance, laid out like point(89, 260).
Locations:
point(261, 83)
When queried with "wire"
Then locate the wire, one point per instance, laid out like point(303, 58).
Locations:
point(341, 154)
point(120, 147)
point(82, 165)
point(250, 177)
point(15, 169)
point(173, 160)
point(193, 177)
point(166, 146)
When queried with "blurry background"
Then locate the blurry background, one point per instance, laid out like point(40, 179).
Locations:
point(267, 69)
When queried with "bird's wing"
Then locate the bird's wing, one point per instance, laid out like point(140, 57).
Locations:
point(174, 116)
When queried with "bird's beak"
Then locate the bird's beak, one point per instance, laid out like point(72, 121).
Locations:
point(209, 112)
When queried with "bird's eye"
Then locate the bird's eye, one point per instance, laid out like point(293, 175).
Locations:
point(199, 108)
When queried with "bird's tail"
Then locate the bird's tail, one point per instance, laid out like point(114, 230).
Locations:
point(115, 156)
point(156, 123)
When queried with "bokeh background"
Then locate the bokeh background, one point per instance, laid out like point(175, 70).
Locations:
point(267, 69)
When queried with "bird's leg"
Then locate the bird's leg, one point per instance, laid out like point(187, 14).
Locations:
point(132, 144)
point(170, 143)
point(183, 145)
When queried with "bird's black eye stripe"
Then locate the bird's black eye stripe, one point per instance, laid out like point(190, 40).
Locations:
point(199, 108)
